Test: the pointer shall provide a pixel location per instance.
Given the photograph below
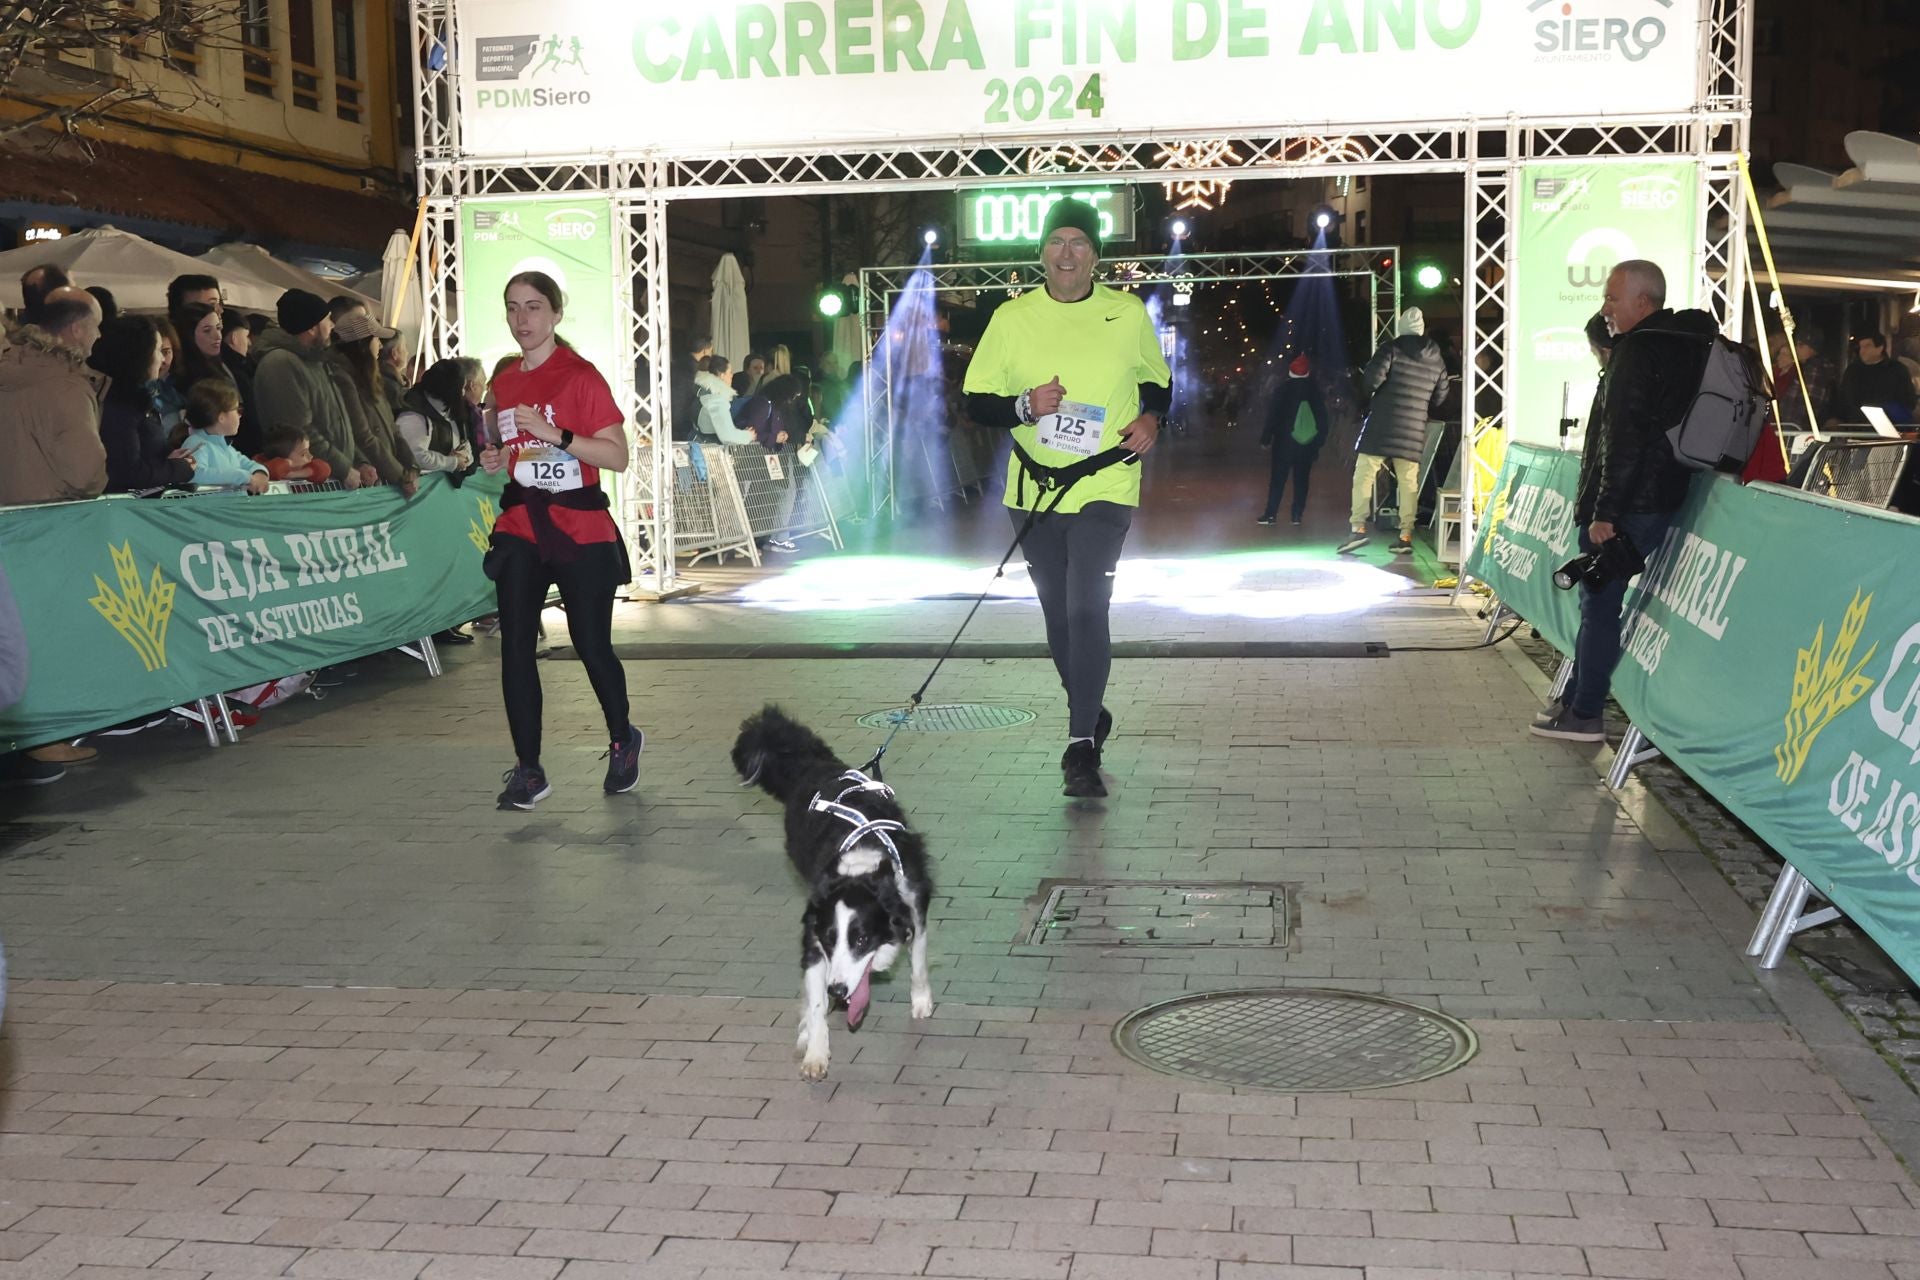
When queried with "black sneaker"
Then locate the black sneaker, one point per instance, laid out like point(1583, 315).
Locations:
point(1080, 771)
point(18, 769)
point(526, 787)
point(1404, 547)
point(1553, 711)
point(1101, 729)
point(1264, 520)
point(1570, 727)
point(1355, 540)
point(452, 635)
point(623, 769)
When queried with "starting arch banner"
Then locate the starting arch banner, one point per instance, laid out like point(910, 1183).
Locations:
point(796, 76)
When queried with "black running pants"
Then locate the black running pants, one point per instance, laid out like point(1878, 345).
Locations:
point(1289, 459)
point(587, 588)
point(1071, 559)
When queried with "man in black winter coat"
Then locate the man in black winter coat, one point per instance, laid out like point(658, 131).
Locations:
point(1630, 483)
point(1407, 379)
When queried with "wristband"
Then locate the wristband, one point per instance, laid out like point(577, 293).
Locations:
point(1023, 408)
point(566, 440)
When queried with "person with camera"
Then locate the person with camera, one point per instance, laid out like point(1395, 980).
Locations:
point(1630, 482)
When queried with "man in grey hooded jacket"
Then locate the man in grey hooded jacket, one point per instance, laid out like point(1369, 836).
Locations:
point(1407, 379)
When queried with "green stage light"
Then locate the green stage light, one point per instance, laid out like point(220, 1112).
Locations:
point(832, 303)
point(1429, 276)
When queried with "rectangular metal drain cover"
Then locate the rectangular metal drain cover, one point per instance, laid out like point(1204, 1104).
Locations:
point(1151, 913)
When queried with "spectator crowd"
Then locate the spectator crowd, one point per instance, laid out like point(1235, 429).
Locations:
point(94, 401)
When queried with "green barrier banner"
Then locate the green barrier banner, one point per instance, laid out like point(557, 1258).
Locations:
point(1783, 673)
point(1576, 223)
point(135, 606)
point(1527, 533)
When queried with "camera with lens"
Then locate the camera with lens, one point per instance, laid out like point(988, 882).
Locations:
point(1614, 560)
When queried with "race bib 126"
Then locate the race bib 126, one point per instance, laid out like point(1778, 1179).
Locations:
point(1075, 429)
point(548, 468)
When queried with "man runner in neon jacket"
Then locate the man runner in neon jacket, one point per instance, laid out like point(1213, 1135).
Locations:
point(1076, 372)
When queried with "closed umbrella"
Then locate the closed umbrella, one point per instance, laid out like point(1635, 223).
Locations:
point(250, 259)
point(135, 270)
point(731, 336)
point(400, 304)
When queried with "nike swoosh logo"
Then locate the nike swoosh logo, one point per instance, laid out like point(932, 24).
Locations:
point(1111, 319)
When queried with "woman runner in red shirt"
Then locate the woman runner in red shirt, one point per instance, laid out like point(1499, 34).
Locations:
point(558, 428)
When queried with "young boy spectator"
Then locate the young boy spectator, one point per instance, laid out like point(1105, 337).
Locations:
point(211, 418)
point(286, 457)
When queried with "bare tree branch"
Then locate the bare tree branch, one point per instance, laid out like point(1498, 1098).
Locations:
point(142, 36)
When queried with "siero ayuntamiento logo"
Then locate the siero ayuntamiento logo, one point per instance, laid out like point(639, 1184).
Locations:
point(1567, 31)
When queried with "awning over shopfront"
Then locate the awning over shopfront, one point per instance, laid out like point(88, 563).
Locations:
point(1858, 230)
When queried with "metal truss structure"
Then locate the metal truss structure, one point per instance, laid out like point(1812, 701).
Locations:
point(880, 286)
point(1486, 153)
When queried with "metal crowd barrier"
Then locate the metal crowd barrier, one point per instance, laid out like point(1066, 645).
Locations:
point(1869, 472)
point(727, 498)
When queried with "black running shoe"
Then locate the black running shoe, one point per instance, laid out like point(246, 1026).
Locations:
point(623, 768)
point(1101, 729)
point(526, 787)
point(1080, 771)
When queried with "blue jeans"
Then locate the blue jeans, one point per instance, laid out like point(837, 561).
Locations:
point(1597, 649)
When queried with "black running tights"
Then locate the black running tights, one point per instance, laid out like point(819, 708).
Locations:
point(587, 588)
point(1071, 559)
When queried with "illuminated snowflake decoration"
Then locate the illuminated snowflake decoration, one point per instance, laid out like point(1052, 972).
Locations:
point(1204, 193)
point(1077, 159)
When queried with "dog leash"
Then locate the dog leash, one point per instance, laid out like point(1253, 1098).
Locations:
point(1058, 480)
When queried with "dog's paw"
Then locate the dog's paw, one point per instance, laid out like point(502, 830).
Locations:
point(813, 1068)
point(923, 1004)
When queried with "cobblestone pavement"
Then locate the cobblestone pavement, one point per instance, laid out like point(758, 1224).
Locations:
point(309, 1006)
point(1877, 997)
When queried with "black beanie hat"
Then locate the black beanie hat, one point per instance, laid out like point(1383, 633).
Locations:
point(299, 310)
point(1069, 212)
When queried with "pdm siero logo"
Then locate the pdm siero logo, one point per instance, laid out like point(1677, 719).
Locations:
point(1561, 34)
point(509, 57)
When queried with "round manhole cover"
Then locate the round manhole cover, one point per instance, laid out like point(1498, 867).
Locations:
point(1295, 1040)
point(952, 717)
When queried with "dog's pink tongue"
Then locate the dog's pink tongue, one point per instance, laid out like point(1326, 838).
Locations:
point(857, 1002)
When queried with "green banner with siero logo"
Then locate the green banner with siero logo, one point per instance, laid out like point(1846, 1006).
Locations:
point(570, 238)
point(1771, 650)
point(136, 606)
point(1576, 223)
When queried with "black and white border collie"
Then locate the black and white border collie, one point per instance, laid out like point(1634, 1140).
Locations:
point(866, 872)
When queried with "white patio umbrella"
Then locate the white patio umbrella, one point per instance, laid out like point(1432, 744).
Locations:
point(400, 304)
point(848, 342)
point(135, 270)
point(731, 336)
point(257, 262)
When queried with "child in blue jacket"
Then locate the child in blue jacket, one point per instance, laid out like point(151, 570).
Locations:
point(212, 416)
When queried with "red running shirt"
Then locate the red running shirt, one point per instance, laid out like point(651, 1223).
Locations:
point(573, 396)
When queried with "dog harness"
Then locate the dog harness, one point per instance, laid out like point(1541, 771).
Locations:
point(862, 825)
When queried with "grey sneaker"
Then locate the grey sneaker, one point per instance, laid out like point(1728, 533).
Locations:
point(1553, 711)
point(1569, 727)
point(1355, 540)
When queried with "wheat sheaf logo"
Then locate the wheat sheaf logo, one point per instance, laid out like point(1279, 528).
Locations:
point(139, 612)
point(1824, 686)
point(478, 531)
